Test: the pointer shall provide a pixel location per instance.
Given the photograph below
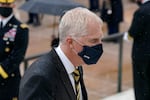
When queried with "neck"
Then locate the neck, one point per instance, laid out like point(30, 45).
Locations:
point(1, 17)
point(71, 55)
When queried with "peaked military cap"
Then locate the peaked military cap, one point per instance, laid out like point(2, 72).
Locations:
point(7, 1)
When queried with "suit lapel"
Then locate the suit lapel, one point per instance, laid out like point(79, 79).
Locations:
point(64, 77)
point(10, 23)
point(84, 92)
point(68, 86)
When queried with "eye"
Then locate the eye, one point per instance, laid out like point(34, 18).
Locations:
point(94, 41)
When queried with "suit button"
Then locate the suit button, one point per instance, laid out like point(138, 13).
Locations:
point(12, 75)
point(7, 49)
point(7, 42)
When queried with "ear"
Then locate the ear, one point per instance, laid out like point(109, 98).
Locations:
point(69, 41)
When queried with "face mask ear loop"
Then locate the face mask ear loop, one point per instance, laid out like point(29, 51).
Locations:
point(74, 39)
point(77, 41)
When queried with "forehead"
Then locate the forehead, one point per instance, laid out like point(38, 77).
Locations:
point(95, 33)
point(93, 36)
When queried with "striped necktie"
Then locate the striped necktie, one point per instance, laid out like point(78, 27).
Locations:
point(76, 75)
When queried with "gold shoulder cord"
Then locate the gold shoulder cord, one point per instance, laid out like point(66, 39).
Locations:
point(3, 73)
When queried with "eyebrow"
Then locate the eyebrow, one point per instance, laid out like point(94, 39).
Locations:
point(5, 4)
point(94, 40)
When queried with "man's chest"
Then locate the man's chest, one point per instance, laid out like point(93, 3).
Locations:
point(7, 38)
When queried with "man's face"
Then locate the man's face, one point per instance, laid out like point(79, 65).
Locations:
point(93, 37)
point(6, 9)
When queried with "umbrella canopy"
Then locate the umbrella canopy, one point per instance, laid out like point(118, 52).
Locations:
point(53, 7)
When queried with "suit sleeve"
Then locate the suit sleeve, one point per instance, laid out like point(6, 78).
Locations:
point(137, 26)
point(35, 88)
point(17, 53)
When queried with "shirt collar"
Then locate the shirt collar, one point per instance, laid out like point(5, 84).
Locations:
point(5, 20)
point(144, 1)
point(66, 62)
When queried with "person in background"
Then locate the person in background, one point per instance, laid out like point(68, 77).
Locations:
point(112, 14)
point(94, 5)
point(140, 32)
point(33, 19)
point(58, 75)
point(13, 45)
point(55, 41)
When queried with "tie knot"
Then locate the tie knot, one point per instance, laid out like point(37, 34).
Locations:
point(76, 75)
point(76, 72)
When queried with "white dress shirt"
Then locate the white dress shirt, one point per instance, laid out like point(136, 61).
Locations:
point(5, 20)
point(144, 1)
point(68, 66)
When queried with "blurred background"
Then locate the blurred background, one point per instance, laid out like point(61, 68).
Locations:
point(101, 79)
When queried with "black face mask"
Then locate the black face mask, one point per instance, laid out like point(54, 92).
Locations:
point(91, 55)
point(5, 11)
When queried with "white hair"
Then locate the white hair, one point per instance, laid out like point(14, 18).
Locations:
point(74, 22)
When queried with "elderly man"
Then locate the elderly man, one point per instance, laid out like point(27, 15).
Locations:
point(13, 44)
point(58, 74)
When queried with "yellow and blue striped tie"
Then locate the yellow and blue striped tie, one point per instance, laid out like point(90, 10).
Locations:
point(76, 75)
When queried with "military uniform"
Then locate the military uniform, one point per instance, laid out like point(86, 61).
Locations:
point(94, 5)
point(112, 14)
point(13, 45)
point(140, 32)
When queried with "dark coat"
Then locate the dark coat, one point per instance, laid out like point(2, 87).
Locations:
point(116, 8)
point(13, 45)
point(140, 31)
point(94, 5)
point(47, 79)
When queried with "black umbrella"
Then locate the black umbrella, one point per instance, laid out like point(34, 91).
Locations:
point(53, 7)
